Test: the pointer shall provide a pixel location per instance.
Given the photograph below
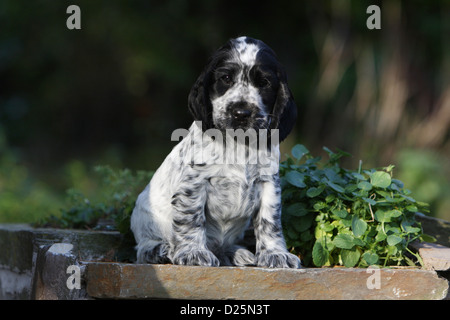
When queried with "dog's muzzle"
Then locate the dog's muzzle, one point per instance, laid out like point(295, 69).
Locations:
point(242, 114)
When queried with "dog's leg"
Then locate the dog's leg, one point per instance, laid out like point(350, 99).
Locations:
point(270, 245)
point(188, 245)
point(151, 251)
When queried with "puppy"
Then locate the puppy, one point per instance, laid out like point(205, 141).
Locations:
point(209, 189)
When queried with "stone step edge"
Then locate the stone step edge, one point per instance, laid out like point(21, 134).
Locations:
point(434, 256)
point(139, 281)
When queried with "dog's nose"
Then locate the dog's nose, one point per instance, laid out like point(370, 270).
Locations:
point(241, 113)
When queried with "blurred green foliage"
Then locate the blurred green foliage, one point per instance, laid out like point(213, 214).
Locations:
point(22, 197)
point(109, 208)
point(427, 173)
point(113, 92)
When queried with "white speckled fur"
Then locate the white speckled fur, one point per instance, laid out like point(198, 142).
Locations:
point(246, 52)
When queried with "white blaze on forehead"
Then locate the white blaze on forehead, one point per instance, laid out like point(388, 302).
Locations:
point(246, 51)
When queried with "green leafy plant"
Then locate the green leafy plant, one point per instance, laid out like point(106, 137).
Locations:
point(116, 196)
point(331, 216)
point(334, 216)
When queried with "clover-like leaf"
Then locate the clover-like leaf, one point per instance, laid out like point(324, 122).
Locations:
point(380, 179)
point(359, 226)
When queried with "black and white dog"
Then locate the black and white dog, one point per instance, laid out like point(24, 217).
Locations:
point(201, 200)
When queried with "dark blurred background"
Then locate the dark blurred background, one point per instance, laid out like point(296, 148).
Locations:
point(113, 92)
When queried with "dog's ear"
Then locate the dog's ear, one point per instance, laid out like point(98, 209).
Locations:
point(199, 103)
point(285, 110)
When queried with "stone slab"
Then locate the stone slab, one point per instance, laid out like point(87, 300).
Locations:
point(130, 281)
point(24, 259)
point(434, 256)
point(51, 276)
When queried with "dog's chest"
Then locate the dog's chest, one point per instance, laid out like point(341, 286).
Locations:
point(233, 196)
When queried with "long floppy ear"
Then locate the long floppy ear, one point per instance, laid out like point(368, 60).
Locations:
point(284, 111)
point(199, 103)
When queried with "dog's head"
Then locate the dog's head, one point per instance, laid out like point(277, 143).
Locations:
point(243, 86)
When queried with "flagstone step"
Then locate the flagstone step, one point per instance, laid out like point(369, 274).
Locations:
point(132, 281)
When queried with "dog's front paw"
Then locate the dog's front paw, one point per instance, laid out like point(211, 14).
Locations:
point(196, 258)
point(278, 260)
point(242, 257)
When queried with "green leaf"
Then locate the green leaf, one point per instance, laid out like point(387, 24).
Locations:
point(347, 222)
point(297, 210)
point(330, 198)
point(320, 255)
point(380, 179)
point(392, 240)
point(370, 257)
point(395, 213)
point(391, 228)
point(359, 226)
point(411, 229)
point(320, 205)
point(427, 238)
point(358, 176)
point(343, 241)
point(397, 184)
point(381, 216)
point(364, 185)
point(336, 187)
point(422, 204)
point(392, 250)
point(314, 192)
point(350, 188)
point(359, 242)
point(410, 262)
point(327, 227)
point(350, 257)
point(380, 237)
point(296, 179)
point(340, 213)
point(384, 194)
point(298, 151)
point(408, 198)
point(331, 175)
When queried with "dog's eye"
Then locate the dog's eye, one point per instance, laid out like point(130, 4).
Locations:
point(227, 79)
point(262, 82)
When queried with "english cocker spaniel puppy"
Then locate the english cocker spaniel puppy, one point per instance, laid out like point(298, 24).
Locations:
point(223, 175)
